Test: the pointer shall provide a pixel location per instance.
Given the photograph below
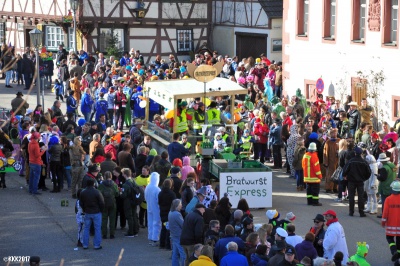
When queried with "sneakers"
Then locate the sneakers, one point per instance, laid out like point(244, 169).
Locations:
point(130, 235)
point(338, 200)
point(98, 248)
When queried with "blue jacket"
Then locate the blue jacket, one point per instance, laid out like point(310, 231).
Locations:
point(86, 103)
point(139, 112)
point(82, 57)
point(124, 61)
point(101, 107)
point(220, 249)
point(257, 260)
point(233, 258)
point(176, 150)
point(71, 104)
point(175, 221)
point(275, 137)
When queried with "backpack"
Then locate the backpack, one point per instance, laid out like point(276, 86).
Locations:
point(137, 194)
point(108, 195)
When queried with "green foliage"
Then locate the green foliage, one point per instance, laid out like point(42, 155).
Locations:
point(112, 46)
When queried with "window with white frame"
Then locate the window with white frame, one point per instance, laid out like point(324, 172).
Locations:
point(184, 40)
point(71, 38)
point(363, 6)
point(394, 18)
point(54, 37)
point(333, 18)
point(2, 32)
point(305, 16)
point(105, 36)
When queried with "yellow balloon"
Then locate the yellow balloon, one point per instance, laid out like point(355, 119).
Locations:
point(169, 114)
point(208, 101)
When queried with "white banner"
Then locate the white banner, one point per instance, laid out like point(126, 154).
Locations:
point(255, 187)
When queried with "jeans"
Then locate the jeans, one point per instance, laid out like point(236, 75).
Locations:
point(352, 132)
point(278, 91)
point(34, 175)
point(110, 116)
point(87, 116)
point(94, 218)
point(299, 178)
point(178, 254)
point(383, 199)
point(8, 77)
point(67, 174)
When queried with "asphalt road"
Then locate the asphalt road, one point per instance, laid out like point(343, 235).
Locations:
point(38, 225)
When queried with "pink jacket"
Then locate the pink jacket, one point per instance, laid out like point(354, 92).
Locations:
point(186, 169)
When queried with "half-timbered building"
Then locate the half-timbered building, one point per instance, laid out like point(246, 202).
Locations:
point(180, 27)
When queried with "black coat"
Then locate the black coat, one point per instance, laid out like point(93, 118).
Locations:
point(357, 170)
point(177, 185)
point(27, 67)
point(192, 231)
point(165, 198)
point(91, 200)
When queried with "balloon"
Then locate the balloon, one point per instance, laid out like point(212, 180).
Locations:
point(237, 117)
point(143, 104)
point(169, 114)
point(208, 101)
point(142, 98)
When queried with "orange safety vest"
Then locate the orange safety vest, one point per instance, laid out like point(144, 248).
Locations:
point(311, 169)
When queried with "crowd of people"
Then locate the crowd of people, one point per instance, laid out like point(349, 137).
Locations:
point(117, 175)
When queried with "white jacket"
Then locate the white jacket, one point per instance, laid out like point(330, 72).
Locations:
point(335, 240)
point(371, 185)
point(151, 194)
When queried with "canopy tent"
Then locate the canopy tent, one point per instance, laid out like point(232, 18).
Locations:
point(167, 92)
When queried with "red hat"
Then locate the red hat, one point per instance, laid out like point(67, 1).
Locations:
point(177, 162)
point(14, 120)
point(330, 212)
point(375, 135)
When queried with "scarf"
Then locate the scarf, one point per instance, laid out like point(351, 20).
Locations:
point(331, 221)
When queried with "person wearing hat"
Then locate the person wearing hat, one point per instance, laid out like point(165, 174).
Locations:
point(288, 258)
point(312, 174)
point(181, 125)
point(92, 173)
point(277, 252)
point(386, 175)
point(281, 235)
point(319, 232)
point(354, 117)
point(390, 220)
point(192, 230)
point(199, 197)
point(334, 239)
point(356, 171)
point(35, 162)
point(19, 102)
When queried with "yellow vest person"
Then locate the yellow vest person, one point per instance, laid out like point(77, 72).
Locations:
point(182, 124)
point(213, 114)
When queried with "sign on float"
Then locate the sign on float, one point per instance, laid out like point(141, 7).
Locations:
point(255, 187)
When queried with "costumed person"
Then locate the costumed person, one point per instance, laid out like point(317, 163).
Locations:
point(371, 186)
point(331, 160)
point(312, 175)
point(80, 219)
point(127, 90)
point(361, 253)
point(219, 143)
point(153, 209)
point(186, 168)
point(386, 175)
point(391, 221)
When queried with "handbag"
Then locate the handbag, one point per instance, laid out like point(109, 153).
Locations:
point(335, 178)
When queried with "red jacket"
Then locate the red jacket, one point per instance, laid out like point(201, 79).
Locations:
point(261, 130)
point(35, 154)
point(111, 148)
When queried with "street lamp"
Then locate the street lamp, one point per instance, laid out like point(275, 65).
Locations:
point(36, 38)
point(74, 7)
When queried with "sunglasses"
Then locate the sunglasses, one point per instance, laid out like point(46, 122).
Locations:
point(317, 222)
